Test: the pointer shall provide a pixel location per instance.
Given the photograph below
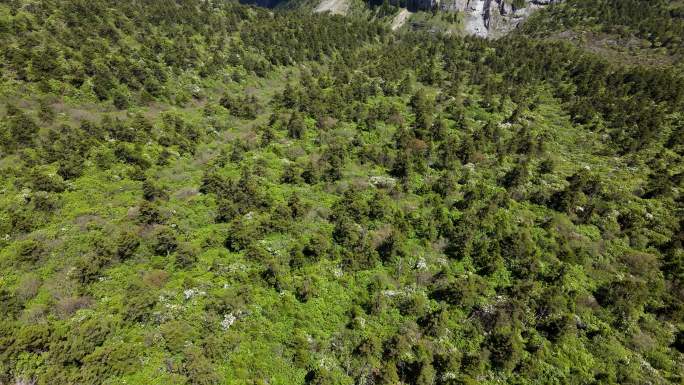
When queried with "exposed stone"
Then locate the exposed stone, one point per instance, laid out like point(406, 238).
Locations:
point(484, 18)
point(228, 320)
point(383, 181)
point(191, 293)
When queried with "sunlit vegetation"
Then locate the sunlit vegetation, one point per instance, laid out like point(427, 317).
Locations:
point(201, 192)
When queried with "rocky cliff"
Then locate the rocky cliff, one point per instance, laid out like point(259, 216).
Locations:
point(486, 18)
point(494, 18)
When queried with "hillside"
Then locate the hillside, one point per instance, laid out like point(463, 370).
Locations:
point(483, 18)
point(629, 31)
point(203, 192)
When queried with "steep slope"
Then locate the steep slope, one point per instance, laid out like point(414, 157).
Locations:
point(493, 18)
point(400, 19)
point(648, 31)
point(205, 193)
point(483, 18)
point(335, 7)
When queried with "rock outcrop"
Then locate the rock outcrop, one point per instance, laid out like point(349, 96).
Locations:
point(486, 18)
point(494, 18)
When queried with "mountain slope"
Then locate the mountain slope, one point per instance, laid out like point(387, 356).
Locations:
point(633, 31)
point(202, 192)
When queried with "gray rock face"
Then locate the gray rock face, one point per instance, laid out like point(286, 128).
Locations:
point(488, 18)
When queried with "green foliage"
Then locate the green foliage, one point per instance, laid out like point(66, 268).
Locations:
point(659, 21)
point(201, 192)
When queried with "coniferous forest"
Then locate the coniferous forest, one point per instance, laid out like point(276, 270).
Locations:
point(203, 192)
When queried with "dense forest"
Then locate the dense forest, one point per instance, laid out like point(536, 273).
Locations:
point(202, 192)
point(660, 22)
